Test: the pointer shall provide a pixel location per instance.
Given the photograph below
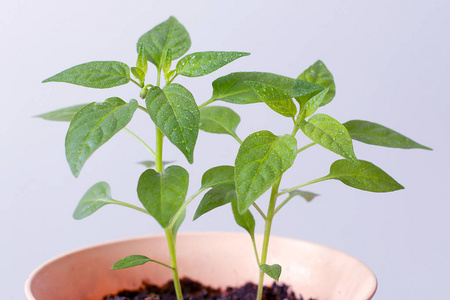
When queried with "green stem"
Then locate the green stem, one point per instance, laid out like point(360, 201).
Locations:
point(129, 206)
point(260, 211)
point(256, 250)
point(159, 148)
point(141, 141)
point(143, 109)
point(306, 147)
point(283, 203)
point(206, 103)
point(267, 229)
point(173, 262)
point(304, 184)
point(236, 138)
point(132, 80)
point(170, 81)
point(183, 207)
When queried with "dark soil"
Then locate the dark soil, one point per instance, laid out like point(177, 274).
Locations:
point(195, 291)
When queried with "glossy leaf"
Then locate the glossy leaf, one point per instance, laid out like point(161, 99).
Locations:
point(203, 63)
point(221, 180)
point(64, 114)
point(93, 126)
point(216, 197)
point(233, 88)
point(262, 158)
point(319, 74)
point(167, 35)
point(174, 111)
point(274, 271)
point(141, 62)
point(244, 220)
point(218, 176)
point(95, 198)
point(133, 261)
point(139, 74)
point(167, 63)
point(376, 134)
point(163, 194)
point(308, 196)
point(219, 119)
point(96, 74)
point(330, 134)
point(314, 103)
point(275, 98)
point(365, 176)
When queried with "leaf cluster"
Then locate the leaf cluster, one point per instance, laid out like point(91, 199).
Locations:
point(263, 157)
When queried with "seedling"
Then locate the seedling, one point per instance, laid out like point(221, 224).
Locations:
point(261, 161)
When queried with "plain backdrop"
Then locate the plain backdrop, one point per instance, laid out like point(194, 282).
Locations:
point(390, 64)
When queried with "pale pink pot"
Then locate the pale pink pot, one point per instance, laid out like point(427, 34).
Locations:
point(216, 259)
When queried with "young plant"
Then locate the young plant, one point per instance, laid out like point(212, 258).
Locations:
point(261, 161)
point(263, 157)
point(173, 110)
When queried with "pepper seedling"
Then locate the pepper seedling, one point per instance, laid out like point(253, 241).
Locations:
point(261, 161)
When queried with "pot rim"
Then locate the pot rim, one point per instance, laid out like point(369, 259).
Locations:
point(32, 275)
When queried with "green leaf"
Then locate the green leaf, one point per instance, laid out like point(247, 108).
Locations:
point(150, 163)
point(93, 126)
point(219, 195)
point(141, 62)
point(167, 35)
point(202, 63)
point(262, 158)
point(275, 98)
point(167, 64)
point(175, 113)
point(221, 180)
point(365, 176)
point(244, 220)
point(133, 261)
point(139, 74)
point(330, 134)
point(308, 196)
point(163, 194)
point(233, 88)
point(219, 119)
point(274, 271)
point(319, 74)
point(218, 176)
point(96, 74)
point(63, 114)
point(376, 134)
point(314, 103)
point(95, 198)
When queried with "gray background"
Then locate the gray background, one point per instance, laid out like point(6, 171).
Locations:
point(390, 63)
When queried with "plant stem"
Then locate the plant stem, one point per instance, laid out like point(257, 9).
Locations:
point(135, 82)
point(143, 109)
point(267, 229)
point(304, 184)
point(256, 251)
point(141, 141)
point(159, 147)
point(206, 103)
point(183, 207)
point(173, 262)
point(260, 211)
point(305, 147)
point(129, 206)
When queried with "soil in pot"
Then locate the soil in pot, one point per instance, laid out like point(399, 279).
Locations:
point(194, 290)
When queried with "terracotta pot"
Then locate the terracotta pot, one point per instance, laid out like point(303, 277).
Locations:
point(216, 259)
